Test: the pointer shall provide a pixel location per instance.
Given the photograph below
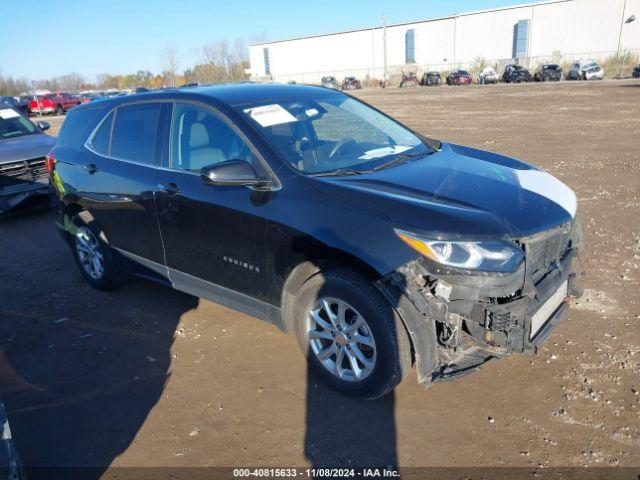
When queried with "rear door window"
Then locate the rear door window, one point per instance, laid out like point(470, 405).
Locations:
point(134, 132)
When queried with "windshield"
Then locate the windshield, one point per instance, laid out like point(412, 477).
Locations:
point(12, 124)
point(333, 132)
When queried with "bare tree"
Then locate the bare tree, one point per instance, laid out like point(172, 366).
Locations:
point(222, 62)
point(13, 86)
point(170, 63)
point(71, 82)
point(239, 60)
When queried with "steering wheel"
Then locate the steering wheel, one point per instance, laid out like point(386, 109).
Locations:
point(336, 148)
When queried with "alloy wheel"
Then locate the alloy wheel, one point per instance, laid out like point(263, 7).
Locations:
point(341, 339)
point(89, 253)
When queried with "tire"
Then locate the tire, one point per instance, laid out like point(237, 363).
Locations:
point(384, 345)
point(89, 242)
point(59, 110)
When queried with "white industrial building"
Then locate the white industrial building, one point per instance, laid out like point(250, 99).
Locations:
point(557, 30)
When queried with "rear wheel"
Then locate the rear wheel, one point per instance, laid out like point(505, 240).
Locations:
point(351, 335)
point(94, 257)
point(59, 110)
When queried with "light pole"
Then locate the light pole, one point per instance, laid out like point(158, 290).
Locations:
point(632, 18)
point(35, 97)
point(455, 26)
point(384, 47)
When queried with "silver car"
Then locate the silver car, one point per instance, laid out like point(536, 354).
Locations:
point(487, 75)
point(585, 70)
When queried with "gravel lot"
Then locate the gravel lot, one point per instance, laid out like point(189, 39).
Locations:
point(147, 376)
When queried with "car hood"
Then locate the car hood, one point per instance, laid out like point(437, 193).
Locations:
point(460, 192)
point(25, 147)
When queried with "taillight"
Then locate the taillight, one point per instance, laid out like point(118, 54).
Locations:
point(49, 161)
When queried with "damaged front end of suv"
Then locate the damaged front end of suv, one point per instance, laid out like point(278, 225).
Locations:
point(460, 317)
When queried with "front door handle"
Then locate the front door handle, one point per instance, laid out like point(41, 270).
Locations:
point(90, 168)
point(169, 188)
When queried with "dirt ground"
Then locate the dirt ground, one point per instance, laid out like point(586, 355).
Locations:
point(147, 376)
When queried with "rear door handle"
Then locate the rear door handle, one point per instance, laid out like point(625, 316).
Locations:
point(90, 168)
point(170, 188)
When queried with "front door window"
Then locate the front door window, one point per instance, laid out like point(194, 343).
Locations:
point(199, 138)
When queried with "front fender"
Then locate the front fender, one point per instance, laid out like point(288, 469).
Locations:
point(421, 329)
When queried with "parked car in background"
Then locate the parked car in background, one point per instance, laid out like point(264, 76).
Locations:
point(431, 79)
point(487, 75)
point(585, 70)
point(459, 77)
point(548, 72)
point(330, 82)
point(636, 72)
point(89, 97)
point(351, 83)
point(23, 146)
point(409, 80)
point(264, 198)
point(111, 93)
point(55, 103)
point(516, 74)
point(19, 104)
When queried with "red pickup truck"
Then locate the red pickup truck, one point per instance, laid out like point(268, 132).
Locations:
point(57, 103)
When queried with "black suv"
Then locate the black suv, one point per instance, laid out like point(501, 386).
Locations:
point(549, 72)
point(515, 74)
point(309, 209)
point(430, 79)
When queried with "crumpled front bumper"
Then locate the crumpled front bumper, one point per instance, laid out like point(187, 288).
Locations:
point(16, 194)
point(459, 321)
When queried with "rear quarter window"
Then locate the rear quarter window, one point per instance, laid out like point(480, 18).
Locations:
point(77, 126)
point(100, 141)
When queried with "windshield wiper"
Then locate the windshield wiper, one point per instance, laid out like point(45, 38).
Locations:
point(350, 171)
point(340, 172)
point(400, 159)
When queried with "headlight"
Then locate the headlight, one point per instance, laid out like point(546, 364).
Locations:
point(489, 256)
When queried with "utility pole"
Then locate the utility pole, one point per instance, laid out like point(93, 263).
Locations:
point(455, 26)
point(624, 8)
point(632, 18)
point(384, 47)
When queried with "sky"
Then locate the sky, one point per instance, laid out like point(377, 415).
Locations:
point(47, 39)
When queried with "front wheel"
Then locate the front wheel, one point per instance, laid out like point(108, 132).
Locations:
point(351, 335)
point(94, 257)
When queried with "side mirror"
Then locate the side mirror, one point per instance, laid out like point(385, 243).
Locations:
point(232, 173)
point(42, 125)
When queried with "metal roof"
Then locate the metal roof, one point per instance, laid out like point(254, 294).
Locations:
point(437, 19)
